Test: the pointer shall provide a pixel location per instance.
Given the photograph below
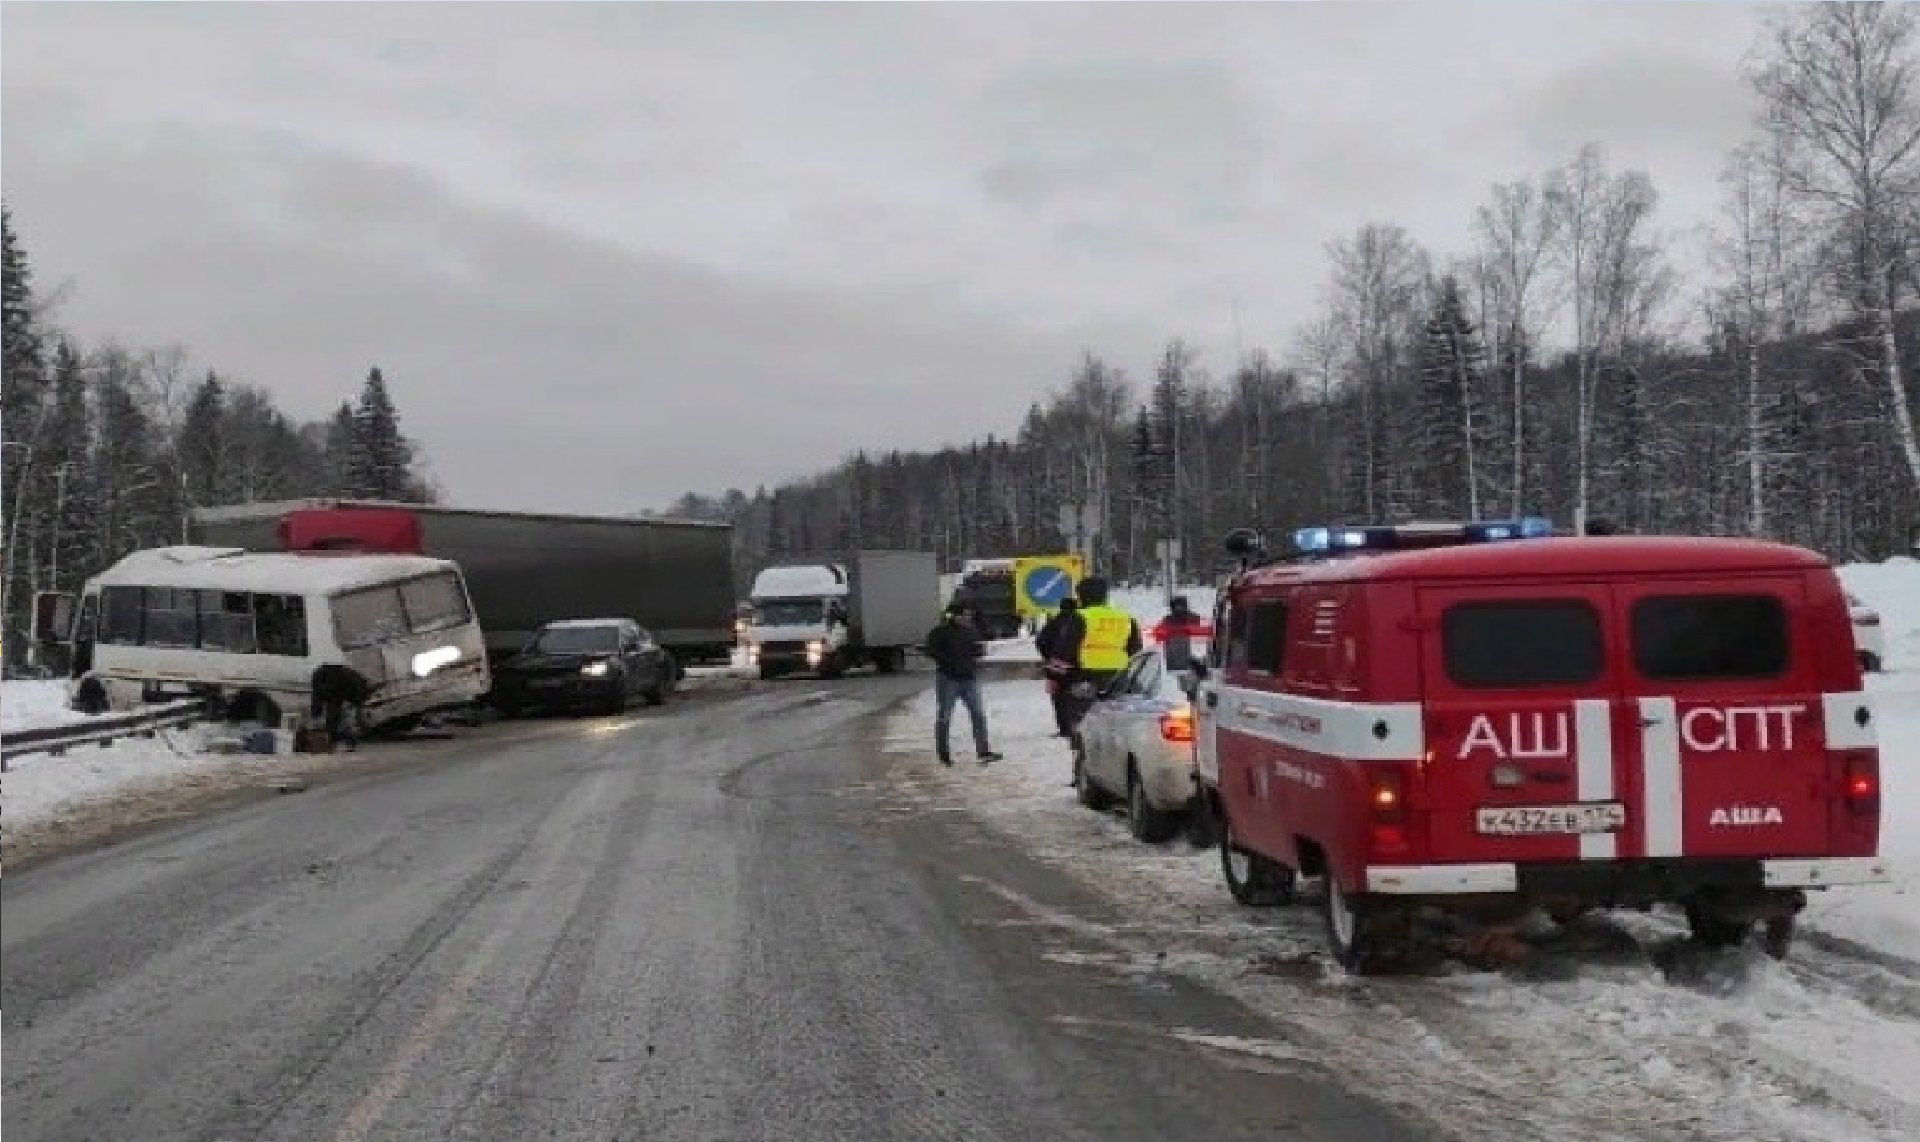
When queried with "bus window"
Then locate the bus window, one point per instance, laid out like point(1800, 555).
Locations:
point(171, 617)
point(434, 603)
point(281, 621)
point(226, 622)
point(120, 616)
point(370, 616)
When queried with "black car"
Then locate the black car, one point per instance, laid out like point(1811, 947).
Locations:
point(600, 664)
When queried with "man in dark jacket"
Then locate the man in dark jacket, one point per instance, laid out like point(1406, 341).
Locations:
point(1058, 670)
point(956, 650)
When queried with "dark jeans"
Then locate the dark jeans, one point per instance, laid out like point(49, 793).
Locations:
point(947, 691)
point(1092, 681)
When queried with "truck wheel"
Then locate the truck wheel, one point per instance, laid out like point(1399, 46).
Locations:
point(831, 668)
point(1252, 880)
point(1359, 931)
point(890, 661)
point(1148, 824)
point(1085, 790)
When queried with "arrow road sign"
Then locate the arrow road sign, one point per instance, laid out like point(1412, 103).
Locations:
point(1047, 585)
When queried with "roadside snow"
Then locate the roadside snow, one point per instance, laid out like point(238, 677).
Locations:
point(39, 787)
point(30, 703)
point(1667, 1042)
point(1887, 917)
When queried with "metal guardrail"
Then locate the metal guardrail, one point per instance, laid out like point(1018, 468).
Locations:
point(56, 740)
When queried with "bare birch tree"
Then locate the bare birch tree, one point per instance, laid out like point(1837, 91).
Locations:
point(1843, 108)
point(1601, 220)
point(1516, 234)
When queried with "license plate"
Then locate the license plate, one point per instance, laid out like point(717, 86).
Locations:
point(1533, 820)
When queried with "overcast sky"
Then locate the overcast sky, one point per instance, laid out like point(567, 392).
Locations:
point(608, 252)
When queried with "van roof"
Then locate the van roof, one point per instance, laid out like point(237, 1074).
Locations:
point(1583, 556)
point(269, 573)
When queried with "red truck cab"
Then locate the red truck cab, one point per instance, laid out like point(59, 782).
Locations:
point(1483, 719)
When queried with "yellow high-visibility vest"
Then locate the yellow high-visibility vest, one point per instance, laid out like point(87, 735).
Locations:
point(1105, 645)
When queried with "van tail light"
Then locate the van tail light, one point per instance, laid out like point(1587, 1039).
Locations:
point(1387, 808)
point(1177, 726)
point(1387, 797)
point(1860, 783)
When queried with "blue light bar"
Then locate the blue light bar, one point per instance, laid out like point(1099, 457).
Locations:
point(1327, 540)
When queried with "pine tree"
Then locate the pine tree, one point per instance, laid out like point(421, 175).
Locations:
point(22, 403)
point(1451, 449)
point(202, 448)
point(379, 464)
point(66, 517)
point(134, 508)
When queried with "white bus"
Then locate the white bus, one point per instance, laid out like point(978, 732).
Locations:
point(257, 630)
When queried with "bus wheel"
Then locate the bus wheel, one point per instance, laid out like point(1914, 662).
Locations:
point(254, 707)
point(91, 698)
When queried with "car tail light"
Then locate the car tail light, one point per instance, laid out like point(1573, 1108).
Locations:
point(1860, 783)
point(1177, 726)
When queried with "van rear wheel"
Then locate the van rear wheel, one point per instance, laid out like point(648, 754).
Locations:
point(1712, 930)
point(1252, 880)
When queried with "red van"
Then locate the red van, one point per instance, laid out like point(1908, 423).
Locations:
point(1483, 719)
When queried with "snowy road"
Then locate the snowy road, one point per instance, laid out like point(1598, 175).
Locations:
point(716, 922)
point(1618, 1031)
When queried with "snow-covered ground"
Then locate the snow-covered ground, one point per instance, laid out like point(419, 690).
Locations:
point(1888, 916)
point(29, 703)
point(40, 787)
point(1620, 1029)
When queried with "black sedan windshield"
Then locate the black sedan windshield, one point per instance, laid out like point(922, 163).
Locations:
point(575, 640)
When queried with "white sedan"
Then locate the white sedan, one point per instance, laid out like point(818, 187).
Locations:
point(1136, 744)
point(1869, 640)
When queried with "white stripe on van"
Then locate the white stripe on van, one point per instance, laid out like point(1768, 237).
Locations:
point(1850, 721)
point(1660, 771)
point(1593, 762)
point(1351, 731)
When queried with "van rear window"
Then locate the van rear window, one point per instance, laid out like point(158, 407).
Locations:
point(1680, 637)
point(1521, 643)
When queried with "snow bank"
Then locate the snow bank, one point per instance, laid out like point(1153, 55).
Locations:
point(1887, 917)
point(1893, 589)
point(30, 703)
point(39, 787)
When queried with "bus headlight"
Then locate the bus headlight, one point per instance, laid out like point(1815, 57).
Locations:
point(428, 661)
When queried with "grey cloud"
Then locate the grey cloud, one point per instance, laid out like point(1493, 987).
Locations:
point(1188, 132)
point(1638, 100)
point(612, 378)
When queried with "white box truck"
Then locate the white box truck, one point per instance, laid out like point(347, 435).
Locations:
point(830, 615)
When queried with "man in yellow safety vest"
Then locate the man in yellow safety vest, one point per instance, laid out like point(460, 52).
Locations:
point(1097, 640)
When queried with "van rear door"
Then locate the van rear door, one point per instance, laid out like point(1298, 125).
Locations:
point(1524, 716)
point(1730, 722)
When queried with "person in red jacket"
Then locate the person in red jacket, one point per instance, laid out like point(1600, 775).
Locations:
point(1177, 631)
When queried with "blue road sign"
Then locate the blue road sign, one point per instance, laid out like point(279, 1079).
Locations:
point(1046, 586)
